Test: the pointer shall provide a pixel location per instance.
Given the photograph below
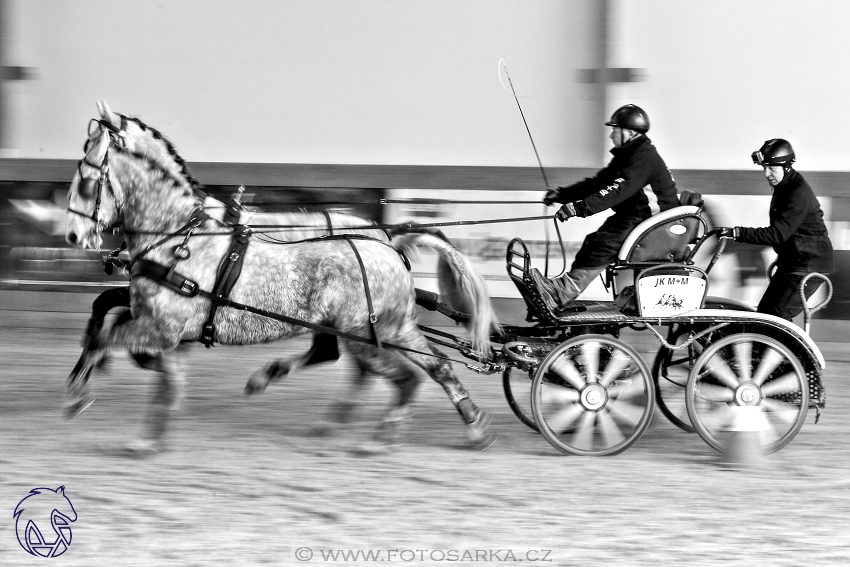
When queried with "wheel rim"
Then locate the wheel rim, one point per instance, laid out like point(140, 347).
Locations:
point(592, 395)
point(747, 382)
point(670, 372)
point(517, 386)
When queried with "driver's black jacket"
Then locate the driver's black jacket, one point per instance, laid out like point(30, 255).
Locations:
point(636, 183)
point(797, 231)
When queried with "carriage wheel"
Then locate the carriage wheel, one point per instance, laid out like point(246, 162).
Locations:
point(670, 375)
point(517, 386)
point(592, 395)
point(747, 382)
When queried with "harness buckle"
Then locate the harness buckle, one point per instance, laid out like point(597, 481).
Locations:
point(208, 334)
point(188, 287)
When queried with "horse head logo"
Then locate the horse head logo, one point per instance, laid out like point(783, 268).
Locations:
point(45, 505)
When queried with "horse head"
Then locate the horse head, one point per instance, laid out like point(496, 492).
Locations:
point(128, 167)
point(92, 200)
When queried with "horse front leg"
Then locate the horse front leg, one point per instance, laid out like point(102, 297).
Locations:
point(324, 349)
point(78, 392)
point(145, 336)
point(168, 395)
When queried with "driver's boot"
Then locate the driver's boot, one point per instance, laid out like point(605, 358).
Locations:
point(558, 292)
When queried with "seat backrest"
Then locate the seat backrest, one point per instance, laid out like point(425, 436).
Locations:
point(665, 237)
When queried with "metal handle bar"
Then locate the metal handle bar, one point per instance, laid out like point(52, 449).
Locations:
point(808, 311)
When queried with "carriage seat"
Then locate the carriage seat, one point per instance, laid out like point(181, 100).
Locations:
point(665, 237)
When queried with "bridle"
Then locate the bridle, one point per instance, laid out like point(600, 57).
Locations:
point(89, 186)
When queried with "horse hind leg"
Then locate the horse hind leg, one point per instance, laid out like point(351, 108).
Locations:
point(478, 422)
point(341, 410)
point(405, 378)
point(323, 349)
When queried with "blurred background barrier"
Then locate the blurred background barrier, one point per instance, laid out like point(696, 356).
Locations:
point(35, 258)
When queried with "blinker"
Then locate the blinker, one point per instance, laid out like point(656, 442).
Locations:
point(87, 187)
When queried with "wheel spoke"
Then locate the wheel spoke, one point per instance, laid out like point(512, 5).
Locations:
point(610, 430)
point(590, 360)
point(720, 369)
point(780, 411)
point(627, 390)
point(714, 393)
point(628, 412)
point(744, 354)
point(769, 361)
point(564, 418)
point(559, 395)
point(565, 368)
point(787, 384)
point(615, 366)
point(584, 432)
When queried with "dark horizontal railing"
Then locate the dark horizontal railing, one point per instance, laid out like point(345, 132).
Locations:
point(708, 181)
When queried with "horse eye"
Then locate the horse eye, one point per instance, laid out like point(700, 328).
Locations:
point(87, 188)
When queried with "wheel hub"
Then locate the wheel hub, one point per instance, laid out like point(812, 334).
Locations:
point(748, 394)
point(594, 397)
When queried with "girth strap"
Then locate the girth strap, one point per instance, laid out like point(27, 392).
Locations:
point(372, 317)
point(228, 272)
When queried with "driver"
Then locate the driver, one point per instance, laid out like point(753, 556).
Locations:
point(796, 232)
point(636, 184)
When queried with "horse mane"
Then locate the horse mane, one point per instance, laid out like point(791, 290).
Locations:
point(171, 149)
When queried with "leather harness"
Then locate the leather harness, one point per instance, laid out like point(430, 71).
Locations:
point(230, 268)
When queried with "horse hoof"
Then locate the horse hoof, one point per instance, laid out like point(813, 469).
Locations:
point(321, 430)
point(486, 441)
point(480, 433)
point(143, 448)
point(373, 448)
point(78, 406)
point(252, 388)
point(341, 412)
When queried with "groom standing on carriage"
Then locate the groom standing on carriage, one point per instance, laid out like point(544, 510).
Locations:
point(636, 184)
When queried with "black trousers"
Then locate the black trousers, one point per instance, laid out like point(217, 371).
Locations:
point(601, 247)
point(782, 296)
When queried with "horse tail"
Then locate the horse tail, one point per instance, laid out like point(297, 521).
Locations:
point(461, 286)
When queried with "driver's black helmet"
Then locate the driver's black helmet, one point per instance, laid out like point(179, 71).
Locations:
point(630, 116)
point(774, 152)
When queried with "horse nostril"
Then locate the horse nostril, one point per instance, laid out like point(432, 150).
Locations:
point(71, 238)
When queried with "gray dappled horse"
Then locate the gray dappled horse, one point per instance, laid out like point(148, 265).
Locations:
point(308, 283)
point(459, 283)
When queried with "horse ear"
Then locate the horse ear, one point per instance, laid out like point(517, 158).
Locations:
point(61, 490)
point(107, 114)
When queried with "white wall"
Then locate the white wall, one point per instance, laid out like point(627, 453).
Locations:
point(306, 81)
point(725, 75)
point(415, 82)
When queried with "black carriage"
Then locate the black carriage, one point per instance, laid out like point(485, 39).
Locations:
point(721, 367)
